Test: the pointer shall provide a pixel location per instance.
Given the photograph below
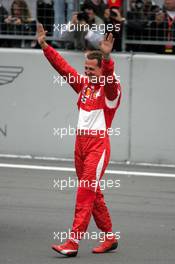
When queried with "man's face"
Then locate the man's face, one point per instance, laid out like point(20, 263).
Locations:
point(107, 13)
point(169, 5)
point(132, 4)
point(16, 10)
point(92, 70)
point(90, 13)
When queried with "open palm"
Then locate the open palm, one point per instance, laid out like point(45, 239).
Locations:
point(106, 45)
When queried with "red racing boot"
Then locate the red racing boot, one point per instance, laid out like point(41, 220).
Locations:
point(110, 243)
point(69, 248)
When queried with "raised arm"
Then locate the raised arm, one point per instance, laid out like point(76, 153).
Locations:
point(58, 62)
point(112, 85)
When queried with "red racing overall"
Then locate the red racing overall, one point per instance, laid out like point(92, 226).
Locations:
point(97, 104)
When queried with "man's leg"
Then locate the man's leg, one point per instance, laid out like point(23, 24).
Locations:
point(103, 221)
point(96, 157)
point(59, 18)
point(70, 247)
point(101, 214)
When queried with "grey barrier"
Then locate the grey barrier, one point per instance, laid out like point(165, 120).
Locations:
point(33, 106)
point(153, 109)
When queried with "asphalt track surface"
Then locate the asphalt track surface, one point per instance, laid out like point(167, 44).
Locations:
point(31, 210)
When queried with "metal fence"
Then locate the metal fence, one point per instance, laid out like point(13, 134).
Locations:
point(146, 27)
point(149, 28)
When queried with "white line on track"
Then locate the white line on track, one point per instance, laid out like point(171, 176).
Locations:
point(29, 157)
point(54, 168)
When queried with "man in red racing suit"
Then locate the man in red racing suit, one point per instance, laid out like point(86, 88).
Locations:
point(97, 104)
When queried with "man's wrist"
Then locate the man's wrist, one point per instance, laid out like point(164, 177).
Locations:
point(43, 45)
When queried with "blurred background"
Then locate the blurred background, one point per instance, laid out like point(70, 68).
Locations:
point(145, 25)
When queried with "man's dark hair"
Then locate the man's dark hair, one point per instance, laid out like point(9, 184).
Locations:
point(87, 6)
point(95, 55)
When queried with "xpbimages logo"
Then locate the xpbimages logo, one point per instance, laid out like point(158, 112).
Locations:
point(61, 236)
point(100, 28)
point(72, 131)
point(102, 80)
point(63, 184)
